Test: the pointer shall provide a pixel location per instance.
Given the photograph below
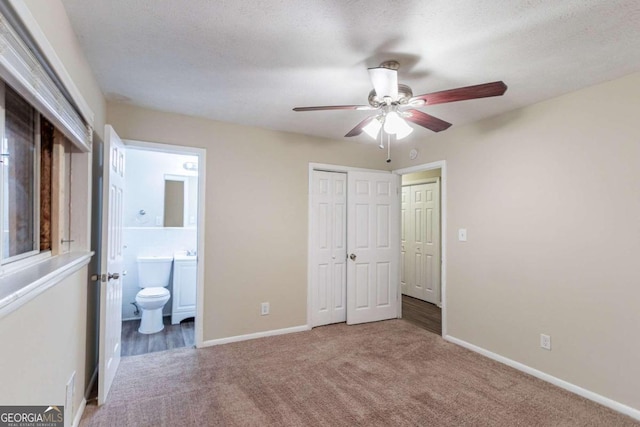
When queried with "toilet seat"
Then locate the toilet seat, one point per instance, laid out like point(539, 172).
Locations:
point(153, 293)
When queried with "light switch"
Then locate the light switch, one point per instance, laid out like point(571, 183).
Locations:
point(462, 234)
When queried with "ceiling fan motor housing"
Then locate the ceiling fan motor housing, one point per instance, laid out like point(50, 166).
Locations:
point(404, 95)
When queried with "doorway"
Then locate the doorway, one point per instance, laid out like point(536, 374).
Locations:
point(420, 236)
point(162, 232)
point(423, 248)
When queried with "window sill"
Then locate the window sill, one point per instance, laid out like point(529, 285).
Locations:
point(22, 286)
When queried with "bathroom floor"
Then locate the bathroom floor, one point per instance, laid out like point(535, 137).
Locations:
point(172, 336)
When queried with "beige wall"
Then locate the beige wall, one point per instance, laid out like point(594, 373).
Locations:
point(550, 195)
point(256, 212)
point(44, 341)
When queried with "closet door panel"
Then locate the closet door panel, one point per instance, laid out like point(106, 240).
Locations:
point(328, 246)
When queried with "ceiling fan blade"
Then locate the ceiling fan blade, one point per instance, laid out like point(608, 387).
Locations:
point(463, 93)
point(359, 127)
point(425, 120)
point(385, 82)
point(335, 107)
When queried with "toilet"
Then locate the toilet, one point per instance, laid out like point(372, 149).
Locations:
point(153, 278)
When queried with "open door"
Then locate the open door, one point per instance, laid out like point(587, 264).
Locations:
point(432, 242)
point(373, 246)
point(111, 262)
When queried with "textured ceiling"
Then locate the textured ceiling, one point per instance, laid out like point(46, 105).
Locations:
point(250, 62)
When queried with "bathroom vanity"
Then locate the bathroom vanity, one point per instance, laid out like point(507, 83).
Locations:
point(184, 286)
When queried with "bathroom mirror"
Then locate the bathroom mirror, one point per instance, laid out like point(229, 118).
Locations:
point(180, 200)
point(173, 203)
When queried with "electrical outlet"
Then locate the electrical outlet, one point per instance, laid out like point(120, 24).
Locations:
point(264, 308)
point(545, 341)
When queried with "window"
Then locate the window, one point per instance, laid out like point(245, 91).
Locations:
point(35, 183)
point(19, 180)
point(45, 166)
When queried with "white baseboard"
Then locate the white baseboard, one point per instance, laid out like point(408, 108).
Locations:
point(605, 401)
point(246, 337)
point(79, 412)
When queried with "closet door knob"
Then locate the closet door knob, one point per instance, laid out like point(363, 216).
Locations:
point(353, 257)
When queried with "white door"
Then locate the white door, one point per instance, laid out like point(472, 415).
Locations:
point(373, 244)
point(404, 243)
point(421, 246)
point(328, 247)
point(417, 235)
point(111, 263)
point(431, 243)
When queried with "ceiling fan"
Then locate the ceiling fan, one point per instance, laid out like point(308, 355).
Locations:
point(395, 104)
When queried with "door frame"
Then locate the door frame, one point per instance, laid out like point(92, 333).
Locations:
point(201, 153)
point(442, 165)
point(325, 168)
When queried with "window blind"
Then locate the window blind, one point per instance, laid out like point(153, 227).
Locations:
point(21, 68)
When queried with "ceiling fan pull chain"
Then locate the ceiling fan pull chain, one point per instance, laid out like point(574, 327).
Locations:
point(388, 148)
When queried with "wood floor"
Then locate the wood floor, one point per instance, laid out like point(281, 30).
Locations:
point(423, 314)
point(172, 336)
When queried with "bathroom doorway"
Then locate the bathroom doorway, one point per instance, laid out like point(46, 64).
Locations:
point(162, 243)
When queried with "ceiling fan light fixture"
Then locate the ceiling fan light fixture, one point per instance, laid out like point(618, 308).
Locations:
point(392, 122)
point(373, 128)
point(404, 130)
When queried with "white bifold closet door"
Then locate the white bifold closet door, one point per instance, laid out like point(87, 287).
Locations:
point(358, 211)
point(329, 248)
point(420, 241)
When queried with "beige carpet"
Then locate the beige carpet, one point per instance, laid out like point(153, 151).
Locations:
point(382, 374)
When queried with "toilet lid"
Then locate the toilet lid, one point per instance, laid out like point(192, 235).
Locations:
point(153, 292)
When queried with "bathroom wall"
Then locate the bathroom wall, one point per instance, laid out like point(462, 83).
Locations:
point(145, 174)
point(143, 233)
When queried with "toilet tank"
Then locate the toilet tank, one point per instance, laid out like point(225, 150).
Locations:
point(154, 271)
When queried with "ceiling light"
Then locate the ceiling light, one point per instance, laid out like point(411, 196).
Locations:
point(392, 122)
point(403, 130)
point(373, 128)
point(396, 125)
